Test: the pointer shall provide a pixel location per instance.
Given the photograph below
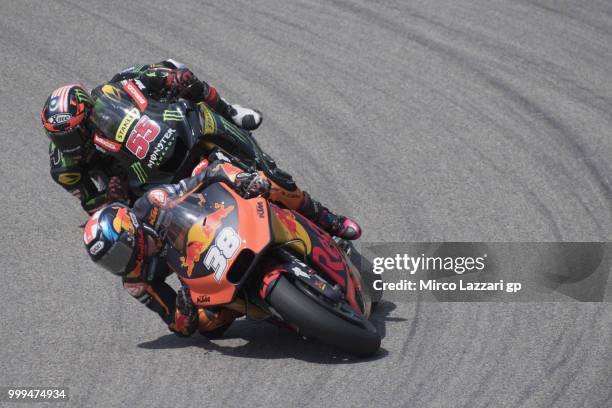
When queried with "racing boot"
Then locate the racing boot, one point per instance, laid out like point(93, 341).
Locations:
point(247, 119)
point(213, 323)
point(336, 225)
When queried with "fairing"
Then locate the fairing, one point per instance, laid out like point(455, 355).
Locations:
point(207, 233)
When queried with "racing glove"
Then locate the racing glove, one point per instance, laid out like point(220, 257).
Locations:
point(186, 314)
point(183, 83)
point(250, 185)
point(117, 188)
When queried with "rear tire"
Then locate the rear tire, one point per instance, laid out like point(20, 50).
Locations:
point(313, 320)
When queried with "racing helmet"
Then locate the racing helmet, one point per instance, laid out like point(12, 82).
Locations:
point(64, 117)
point(115, 240)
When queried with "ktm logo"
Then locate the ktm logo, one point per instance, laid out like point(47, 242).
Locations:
point(260, 210)
point(69, 178)
point(203, 299)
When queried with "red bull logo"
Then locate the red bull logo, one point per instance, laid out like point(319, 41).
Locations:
point(289, 220)
point(288, 228)
point(201, 235)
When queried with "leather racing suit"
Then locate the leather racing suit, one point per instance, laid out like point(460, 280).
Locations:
point(86, 175)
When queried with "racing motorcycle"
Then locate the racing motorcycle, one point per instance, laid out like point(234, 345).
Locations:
point(269, 263)
point(248, 255)
point(160, 143)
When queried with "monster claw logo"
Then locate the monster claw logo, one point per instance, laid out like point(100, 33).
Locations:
point(201, 235)
point(82, 96)
point(172, 115)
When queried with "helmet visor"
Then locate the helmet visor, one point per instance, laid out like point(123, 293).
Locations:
point(118, 257)
point(68, 141)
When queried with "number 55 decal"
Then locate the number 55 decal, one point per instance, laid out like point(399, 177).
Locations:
point(226, 245)
point(141, 136)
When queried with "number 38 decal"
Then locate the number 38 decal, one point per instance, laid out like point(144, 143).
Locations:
point(141, 136)
point(226, 246)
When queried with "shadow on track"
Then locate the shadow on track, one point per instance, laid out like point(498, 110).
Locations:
point(265, 341)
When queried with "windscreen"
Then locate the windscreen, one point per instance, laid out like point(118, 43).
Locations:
point(196, 219)
point(111, 110)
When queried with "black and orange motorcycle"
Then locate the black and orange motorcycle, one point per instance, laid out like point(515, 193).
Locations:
point(249, 255)
point(269, 263)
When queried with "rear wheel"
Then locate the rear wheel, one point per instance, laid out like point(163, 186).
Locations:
point(313, 320)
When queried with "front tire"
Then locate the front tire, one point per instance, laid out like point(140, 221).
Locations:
point(313, 320)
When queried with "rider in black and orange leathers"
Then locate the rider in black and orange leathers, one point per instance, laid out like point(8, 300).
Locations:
point(128, 242)
point(79, 150)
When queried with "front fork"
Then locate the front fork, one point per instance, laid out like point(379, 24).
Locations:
point(314, 284)
point(298, 270)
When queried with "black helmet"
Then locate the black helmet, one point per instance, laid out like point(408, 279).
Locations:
point(115, 240)
point(64, 117)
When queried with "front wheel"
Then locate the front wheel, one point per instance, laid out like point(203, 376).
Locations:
point(311, 319)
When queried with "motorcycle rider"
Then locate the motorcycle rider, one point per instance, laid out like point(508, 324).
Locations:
point(77, 148)
point(127, 243)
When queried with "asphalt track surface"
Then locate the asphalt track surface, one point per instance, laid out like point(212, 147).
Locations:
point(426, 120)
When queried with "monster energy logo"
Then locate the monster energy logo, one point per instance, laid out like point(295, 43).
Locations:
point(82, 96)
point(233, 130)
point(139, 172)
point(173, 115)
